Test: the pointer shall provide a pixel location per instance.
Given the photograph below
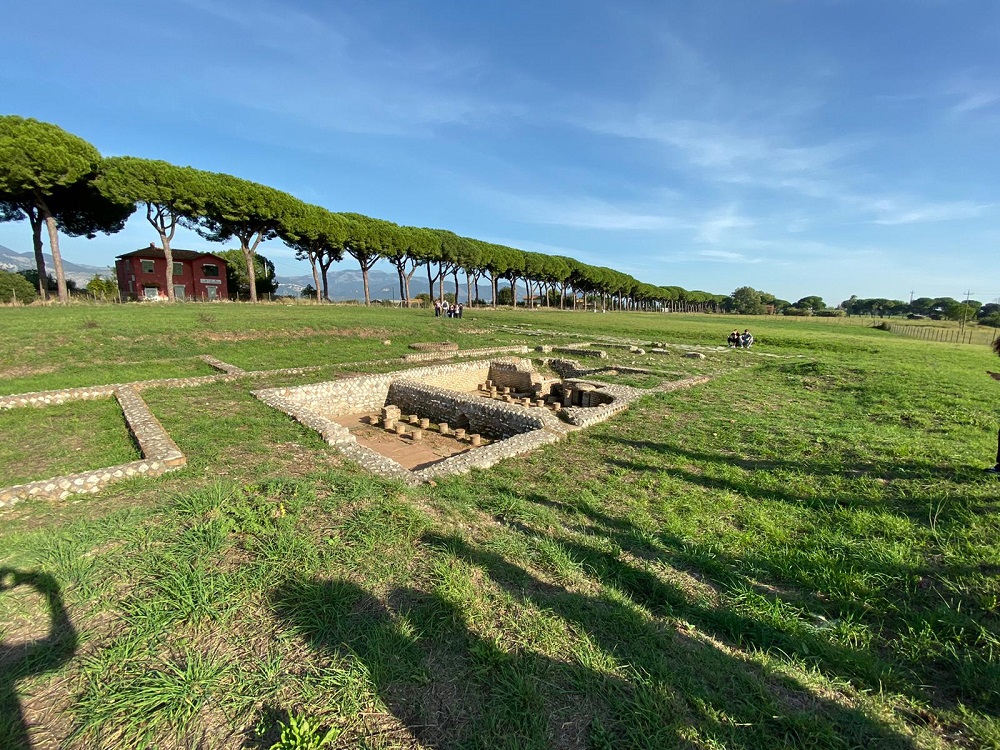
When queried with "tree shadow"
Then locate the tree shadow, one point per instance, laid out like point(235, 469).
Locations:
point(22, 660)
point(636, 681)
point(873, 666)
point(889, 470)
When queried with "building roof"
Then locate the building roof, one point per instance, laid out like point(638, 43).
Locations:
point(157, 252)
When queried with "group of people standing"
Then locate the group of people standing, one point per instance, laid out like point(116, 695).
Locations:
point(452, 310)
point(739, 340)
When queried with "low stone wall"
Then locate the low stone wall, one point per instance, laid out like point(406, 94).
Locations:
point(489, 455)
point(676, 385)
point(517, 374)
point(51, 398)
point(567, 368)
point(364, 393)
point(496, 420)
point(624, 347)
point(65, 395)
point(599, 353)
point(434, 346)
point(419, 391)
point(620, 397)
point(431, 356)
point(159, 455)
point(218, 364)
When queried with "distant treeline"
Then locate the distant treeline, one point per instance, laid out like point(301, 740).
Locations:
point(59, 182)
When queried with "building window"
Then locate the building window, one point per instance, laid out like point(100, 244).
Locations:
point(147, 266)
point(151, 292)
point(179, 292)
point(178, 269)
point(210, 269)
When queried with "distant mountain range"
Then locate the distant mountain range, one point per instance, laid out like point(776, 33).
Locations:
point(344, 285)
point(81, 274)
point(348, 285)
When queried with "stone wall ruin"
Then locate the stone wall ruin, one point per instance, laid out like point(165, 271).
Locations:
point(504, 400)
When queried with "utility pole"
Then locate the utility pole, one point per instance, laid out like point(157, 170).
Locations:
point(965, 311)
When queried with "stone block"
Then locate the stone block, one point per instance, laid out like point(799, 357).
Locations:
point(414, 419)
point(400, 428)
point(417, 434)
point(459, 434)
point(444, 429)
point(475, 439)
point(425, 423)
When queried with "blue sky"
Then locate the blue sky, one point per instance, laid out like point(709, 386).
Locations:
point(829, 147)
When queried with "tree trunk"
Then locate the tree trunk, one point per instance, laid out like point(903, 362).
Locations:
point(364, 280)
point(315, 272)
point(454, 275)
point(50, 223)
point(36, 239)
point(325, 268)
point(169, 256)
point(468, 289)
point(408, 278)
point(251, 272)
point(402, 284)
point(493, 290)
point(513, 291)
point(156, 216)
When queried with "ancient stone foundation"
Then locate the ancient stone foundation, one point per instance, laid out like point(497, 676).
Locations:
point(498, 400)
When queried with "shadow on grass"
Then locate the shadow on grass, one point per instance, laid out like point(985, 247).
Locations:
point(894, 469)
point(18, 661)
point(923, 628)
point(630, 680)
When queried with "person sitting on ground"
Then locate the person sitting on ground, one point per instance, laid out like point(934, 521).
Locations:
point(995, 469)
point(734, 339)
point(746, 339)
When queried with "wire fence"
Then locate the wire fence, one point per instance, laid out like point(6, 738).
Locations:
point(959, 335)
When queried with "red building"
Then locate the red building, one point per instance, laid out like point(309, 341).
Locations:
point(142, 274)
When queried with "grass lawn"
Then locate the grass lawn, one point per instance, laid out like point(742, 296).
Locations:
point(801, 552)
point(63, 439)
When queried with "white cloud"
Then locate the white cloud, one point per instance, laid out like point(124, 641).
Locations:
point(891, 212)
point(715, 228)
point(725, 256)
point(975, 101)
point(329, 71)
point(579, 212)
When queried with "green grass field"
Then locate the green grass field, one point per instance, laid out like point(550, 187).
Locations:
point(802, 552)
